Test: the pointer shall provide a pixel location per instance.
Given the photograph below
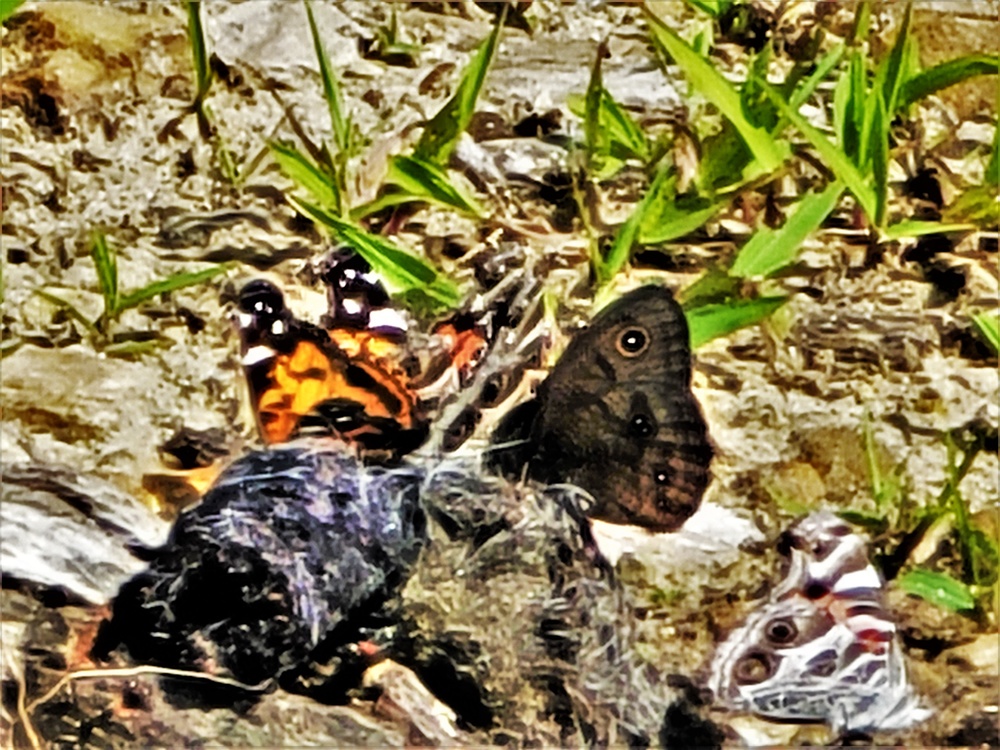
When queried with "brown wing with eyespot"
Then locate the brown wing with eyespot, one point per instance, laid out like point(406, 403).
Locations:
point(617, 417)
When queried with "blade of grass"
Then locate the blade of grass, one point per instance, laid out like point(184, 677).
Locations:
point(951, 495)
point(400, 270)
point(106, 264)
point(677, 219)
point(306, 175)
point(937, 588)
point(862, 22)
point(621, 128)
point(714, 8)
point(768, 152)
point(385, 200)
point(8, 7)
point(427, 181)
point(444, 129)
point(594, 139)
point(992, 176)
point(893, 72)
point(979, 205)
point(70, 309)
point(625, 238)
point(667, 217)
point(831, 155)
point(615, 128)
point(331, 89)
point(876, 479)
point(170, 284)
point(853, 136)
point(126, 349)
point(712, 287)
point(914, 228)
point(199, 51)
point(947, 74)
point(725, 161)
point(864, 112)
point(879, 155)
point(843, 116)
point(224, 157)
point(711, 321)
point(989, 328)
point(819, 74)
point(772, 249)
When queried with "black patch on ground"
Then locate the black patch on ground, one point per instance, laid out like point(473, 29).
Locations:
point(977, 730)
point(683, 727)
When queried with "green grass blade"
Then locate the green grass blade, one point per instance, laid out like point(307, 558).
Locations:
point(714, 8)
point(714, 286)
point(621, 247)
point(756, 108)
point(625, 238)
point(170, 284)
point(106, 263)
point(768, 152)
point(129, 349)
point(331, 89)
point(879, 156)
point(862, 22)
point(426, 181)
point(667, 217)
point(937, 588)
point(989, 328)
point(947, 74)
point(842, 114)
point(770, 250)
point(399, 269)
point(8, 7)
point(306, 175)
point(615, 130)
point(992, 176)
point(914, 228)
point(711, 321)
point(678, 219)
point(444, 129)
point(830, 154)
point(894, 67)
point(622, 129)
point(979, 205)
point(199, 50)
point(876, 478)
point(71, 309)
point(382, 202)
point(853, 137)
point(594, 139)
point(819, 74)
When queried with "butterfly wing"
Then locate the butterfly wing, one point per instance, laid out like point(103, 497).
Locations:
point(304, 379)
point(823, 648)
point(617, 417)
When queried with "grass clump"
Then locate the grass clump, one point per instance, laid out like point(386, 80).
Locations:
point(101, 330)
point(322, 176)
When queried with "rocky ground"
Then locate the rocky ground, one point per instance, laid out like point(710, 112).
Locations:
point(96, 134)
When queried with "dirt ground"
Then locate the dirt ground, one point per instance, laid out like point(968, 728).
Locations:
point(96, 134)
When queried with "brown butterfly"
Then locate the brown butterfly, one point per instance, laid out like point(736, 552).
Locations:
point(617, 418)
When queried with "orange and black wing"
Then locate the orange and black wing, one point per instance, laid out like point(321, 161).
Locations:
point(304, 379)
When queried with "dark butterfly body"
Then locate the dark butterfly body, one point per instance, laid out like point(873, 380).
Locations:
point(617, 417)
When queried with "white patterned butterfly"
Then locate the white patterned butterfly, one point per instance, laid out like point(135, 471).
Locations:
point(823, 648)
